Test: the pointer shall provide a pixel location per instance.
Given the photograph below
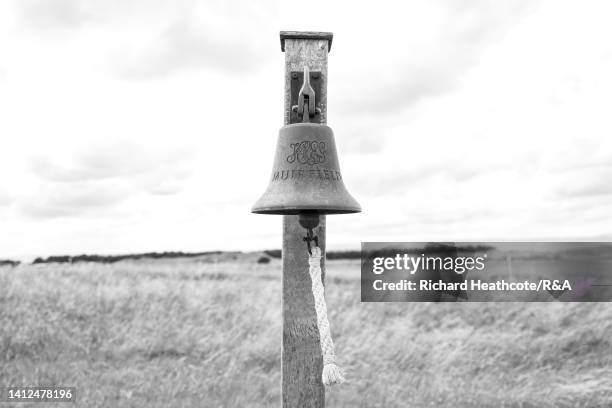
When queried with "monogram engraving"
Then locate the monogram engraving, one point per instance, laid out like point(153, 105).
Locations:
point(307, 152)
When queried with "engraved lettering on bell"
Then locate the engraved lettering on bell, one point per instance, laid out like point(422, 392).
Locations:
point(311, 174)
point(307, 152)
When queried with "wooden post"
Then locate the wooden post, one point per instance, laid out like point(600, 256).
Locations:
point(301, 361)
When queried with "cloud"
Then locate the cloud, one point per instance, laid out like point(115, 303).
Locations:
point(187, 44)
point(151, 38)
point(55, 13)
point(165, 188)
point(378, 181)
point(62, 200)
point(93, 166)
point(586, 183)
point(118, 160)
point(101, 177)
point(404, 69)
point(5, 198)
point(363, 136)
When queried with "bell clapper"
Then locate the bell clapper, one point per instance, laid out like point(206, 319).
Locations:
point(309, 222)
point(311, 237)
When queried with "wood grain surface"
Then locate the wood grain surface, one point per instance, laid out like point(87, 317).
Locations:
point(302, 362)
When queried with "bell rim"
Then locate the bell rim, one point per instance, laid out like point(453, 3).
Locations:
point(296, 210)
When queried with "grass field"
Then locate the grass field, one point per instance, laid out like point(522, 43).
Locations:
point(205, 332)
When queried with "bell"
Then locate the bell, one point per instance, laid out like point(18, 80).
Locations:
point(306, 176)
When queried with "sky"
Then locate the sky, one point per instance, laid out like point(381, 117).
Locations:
point(129, 126)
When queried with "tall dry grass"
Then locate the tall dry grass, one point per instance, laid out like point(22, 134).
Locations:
point(206, 333)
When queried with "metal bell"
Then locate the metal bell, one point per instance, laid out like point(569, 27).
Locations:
point(306, 176)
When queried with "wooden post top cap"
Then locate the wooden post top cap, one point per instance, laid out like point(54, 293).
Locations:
point(306, 35)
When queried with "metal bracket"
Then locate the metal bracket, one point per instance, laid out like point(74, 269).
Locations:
point(304, 89)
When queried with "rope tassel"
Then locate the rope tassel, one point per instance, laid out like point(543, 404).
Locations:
point(332, 374)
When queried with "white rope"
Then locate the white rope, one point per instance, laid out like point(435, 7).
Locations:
point(332, 374)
